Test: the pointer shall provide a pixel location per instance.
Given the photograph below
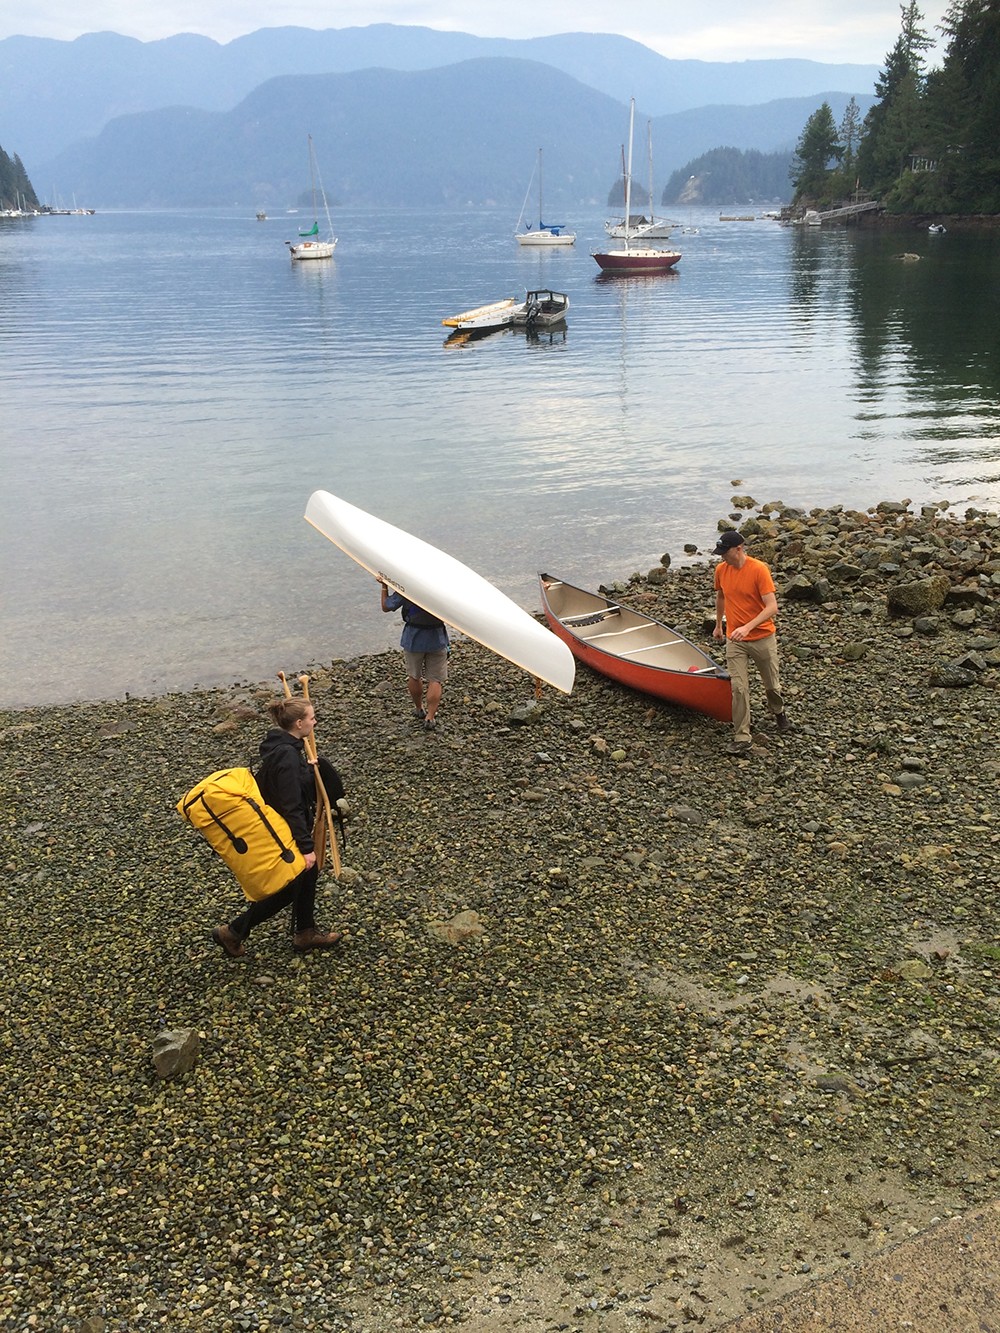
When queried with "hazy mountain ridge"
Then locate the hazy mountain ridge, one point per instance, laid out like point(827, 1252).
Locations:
point(52, 93)
point(389, 138)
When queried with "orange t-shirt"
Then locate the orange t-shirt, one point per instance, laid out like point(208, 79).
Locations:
point(744, 591)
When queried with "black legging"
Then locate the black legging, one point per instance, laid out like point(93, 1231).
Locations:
point(301, 893)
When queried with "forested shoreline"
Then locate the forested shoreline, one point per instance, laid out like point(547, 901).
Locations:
point(931, 142)
point(16, 190)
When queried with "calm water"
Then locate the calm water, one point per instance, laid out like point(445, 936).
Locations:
point(173, 389)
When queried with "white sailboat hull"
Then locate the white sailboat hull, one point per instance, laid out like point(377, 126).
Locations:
point(545, 237)
point(312, 249)
point(648, 231)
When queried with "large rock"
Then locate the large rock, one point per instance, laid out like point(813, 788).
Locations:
point(920, 596)
point(175, 1051)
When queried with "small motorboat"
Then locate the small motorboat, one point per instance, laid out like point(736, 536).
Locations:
point(541, 309)
point(636, 650)
point(937, 229)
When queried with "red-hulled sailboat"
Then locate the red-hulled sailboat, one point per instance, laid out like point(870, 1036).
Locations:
point(629, 258)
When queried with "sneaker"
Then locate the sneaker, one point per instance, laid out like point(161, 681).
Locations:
point(783, 724)
point(430, 724)
point(739, 747)
point(418, 715)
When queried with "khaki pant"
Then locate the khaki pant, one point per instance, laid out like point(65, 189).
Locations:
point(763, 653)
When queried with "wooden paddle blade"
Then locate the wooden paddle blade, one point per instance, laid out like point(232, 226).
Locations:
point(319, 838)
point(334, 852)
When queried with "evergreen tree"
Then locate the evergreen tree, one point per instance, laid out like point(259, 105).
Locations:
point(894, 127)
point(15, 189)
point(850, 134)
point(816, 149)
point(963, 108)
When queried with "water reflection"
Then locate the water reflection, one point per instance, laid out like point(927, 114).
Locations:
point(179, 387)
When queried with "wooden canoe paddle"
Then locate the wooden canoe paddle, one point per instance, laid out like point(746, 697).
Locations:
point(324, 815)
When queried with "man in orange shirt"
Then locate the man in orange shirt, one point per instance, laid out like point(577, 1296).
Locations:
point(744, 596)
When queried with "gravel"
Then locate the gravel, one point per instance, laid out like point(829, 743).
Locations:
point(624, 1027)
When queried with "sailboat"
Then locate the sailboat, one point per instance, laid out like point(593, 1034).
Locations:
point(547, 233)
point(630, 258)
point(649, 228)
point(309, 245)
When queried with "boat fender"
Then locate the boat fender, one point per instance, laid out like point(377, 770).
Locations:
point(252, 838)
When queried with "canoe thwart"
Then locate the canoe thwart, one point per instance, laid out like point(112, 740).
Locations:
point(591, 618)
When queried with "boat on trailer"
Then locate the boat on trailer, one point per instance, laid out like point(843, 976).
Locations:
point(634, 649)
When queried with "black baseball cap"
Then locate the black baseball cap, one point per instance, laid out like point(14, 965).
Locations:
point(727, 541)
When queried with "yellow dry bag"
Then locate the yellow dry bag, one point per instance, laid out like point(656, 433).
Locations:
point(251, 837)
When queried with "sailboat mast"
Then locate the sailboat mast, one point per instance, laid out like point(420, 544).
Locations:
point(541, 211)
point(649, 141)
point(312, 174)
point(628, 173)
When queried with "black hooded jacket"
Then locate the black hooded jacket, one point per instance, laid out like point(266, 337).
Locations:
point(286, 782)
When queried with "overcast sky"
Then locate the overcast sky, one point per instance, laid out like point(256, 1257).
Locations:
point(834, 31)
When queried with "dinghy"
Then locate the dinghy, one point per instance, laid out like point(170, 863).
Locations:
point(632, 648)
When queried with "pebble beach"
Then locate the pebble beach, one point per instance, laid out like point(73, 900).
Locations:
point(627, 1033)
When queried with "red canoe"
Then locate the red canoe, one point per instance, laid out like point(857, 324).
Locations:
point(636, 650)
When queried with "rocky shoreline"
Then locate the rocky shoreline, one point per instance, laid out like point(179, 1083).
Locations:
point(627, 1034)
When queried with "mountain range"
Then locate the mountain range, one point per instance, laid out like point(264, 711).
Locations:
point(399, 115)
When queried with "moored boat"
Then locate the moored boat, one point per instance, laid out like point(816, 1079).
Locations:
point(546, 233)
point(541, 309)
point(310, 244)
point(637, 225)
point(493, 315)
point(640, 227)
point(630, 258)
point(634, 649)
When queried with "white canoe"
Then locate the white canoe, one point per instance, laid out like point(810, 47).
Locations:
point(443, 586)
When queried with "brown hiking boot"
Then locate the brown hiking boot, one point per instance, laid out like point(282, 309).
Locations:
point(304, 941)
point(229, 941)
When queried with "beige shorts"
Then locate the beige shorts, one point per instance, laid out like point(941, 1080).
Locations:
point(427, 666)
